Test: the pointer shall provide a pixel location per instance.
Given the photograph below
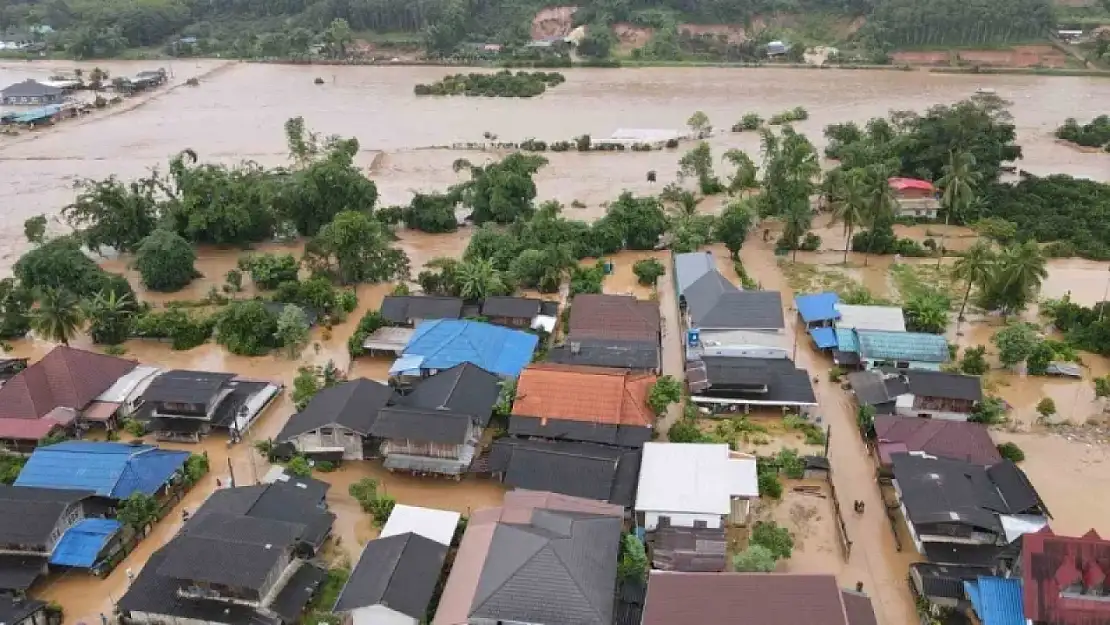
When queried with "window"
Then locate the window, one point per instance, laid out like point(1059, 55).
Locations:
point(327, 432)
point(664, 521)
point(699, 524)
point(902, 364)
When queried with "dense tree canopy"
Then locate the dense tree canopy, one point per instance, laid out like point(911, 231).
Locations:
point(165, 261)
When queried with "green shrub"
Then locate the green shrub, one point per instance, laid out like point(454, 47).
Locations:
point(770, 486)
point(1011, 452)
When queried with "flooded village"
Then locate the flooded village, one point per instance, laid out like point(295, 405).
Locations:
point(536, 417)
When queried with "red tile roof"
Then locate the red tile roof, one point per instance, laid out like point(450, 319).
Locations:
point(65, 378)
point(956, 440)
point(589, 394)
point(1049, 563)
point(619, 317)
point(903, 184)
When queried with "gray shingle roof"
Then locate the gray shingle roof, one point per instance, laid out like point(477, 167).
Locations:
point(569, 468)
point(714, 302)
point(508, 306)
point(427, 425)
point(464, 388)
point(559, 569)
point(942, 384)
point(192, 387)
point(28, 514)
point(399, 572)
point(218, 561)
point(582, 431)
point(353, 404)
point(688, 268)
point(29, 88)
point(638, 355)
point(402, 308)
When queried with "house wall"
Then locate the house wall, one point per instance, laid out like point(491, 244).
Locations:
point(870, 364)
point(936, 408)
point(331, 439)
point(37, 618)
point(378, 615)
point(421, 448)
point(679, 519)
point(740, 509)
point(69, 518)
point(149, 618)
point(32, 100)
point(511, 322)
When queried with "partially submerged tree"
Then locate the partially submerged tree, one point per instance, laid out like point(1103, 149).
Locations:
point(57, 316)
point(165, 261)
point(666, 391)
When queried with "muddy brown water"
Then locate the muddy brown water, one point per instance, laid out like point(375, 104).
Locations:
point(237, 113)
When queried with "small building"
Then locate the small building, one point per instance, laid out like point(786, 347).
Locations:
point(30, 92)
point(818, 312)
point(689, 549)
point(727, 383)
point(32, 523)
point(955, 440)
point(388, 341)
point(444, 343)
point(410, 310)
point(1064, 578)
point(918, 393)
point(996, 600)
point(113, 471)
point(960, 513)
point(900, 350)
point(336, 423)
point(493, 580)
point(756, 598)
point(915, 198)
point(776, 49)
point(393, 582)
point(657, 138)
point(612, 331)
point(570, 468)
point(122, 399)
point(21, 610)
point(518, 312)
point(188, 405)
point(694, 485)
point(942, 585)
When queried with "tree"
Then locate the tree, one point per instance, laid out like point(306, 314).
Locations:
point(308, 382)
point(1020, 270)
point(478, 279)
point(15, 309)
point(1010, 451)
point(247, 328)
point(698, 162)
point(59, 263)
point(1015, 343)
point(685, 431)
point(355, 248)
point(138, 511)
point(958, 184)
point(292, 330)
point(849, 203)
point(881, 203)
point(775, 539)
point(865, 419)
point(633, 564)
point(598, 42)
point(733, 226)
point(109, 213)
point(927, 312)
point(431, 212)
point(974, 361)
point(1040, 358)
point(110, 316)
point(699, 124)
point(165, 261)
point(35, 229)
point(503, 191)
point(1102, 387)
point(990, 411)
point(754, 559)
point(746, 176)
point(337, 37)
point(769, 484)
point(648, 271)
point(666, 391)
point(58, 315)
point(795, 223)
point(298, 466)
point(268, 271)
point(1046, 407)
point(636, 222)
point(974, 268)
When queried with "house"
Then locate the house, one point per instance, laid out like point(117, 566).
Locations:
point(241, 558)
point(586, 470)
point(859, 317)
point(50, 396)
point(918, 393)
point(388, 341)
point(123, 399)
point(32, 523)
point(437, 426)
point(411, 310)
point(712, 306)
point(444, 343)
point(397, 574)
point(187, 405)
point(996, 600)
point(1064, 578)
point(915, 198)
point(531, 537)
point(955, 440)
point(753, 599)
point(638, 356)
point(113, 471)
point(691, 549)
point(901, 350)
point(818, 313)
point(942, 585)
point(20, 610)
point(694, 485)
point(337, 421)
point(520, 312)
point(30, 92)
point(616, 331)
point(607, 406)
point(963, 513)
point(722, 383)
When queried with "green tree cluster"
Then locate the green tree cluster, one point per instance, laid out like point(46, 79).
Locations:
point(503, 84)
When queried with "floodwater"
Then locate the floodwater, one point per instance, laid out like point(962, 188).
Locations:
point(237, 113)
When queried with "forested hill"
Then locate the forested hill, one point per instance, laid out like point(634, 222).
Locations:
point(90, 28)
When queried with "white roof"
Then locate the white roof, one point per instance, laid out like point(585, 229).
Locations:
point(545, 323)
point(644, 135)
point(887, 318)
point(124, 387)
point(738, 338)
point(1017, 525)
point(693, 478)
point(389, 338)
point(437, 525)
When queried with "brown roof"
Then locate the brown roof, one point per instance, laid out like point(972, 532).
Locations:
point(518, 506)
point(66, 377)
point(748, 599)
point(589, 394)
point(620, 317)
point(956, 440)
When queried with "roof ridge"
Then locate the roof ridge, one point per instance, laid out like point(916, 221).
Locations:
point(513, 526)
point(566, 567)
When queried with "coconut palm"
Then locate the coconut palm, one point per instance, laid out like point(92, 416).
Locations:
point(58, 315)
point(479, 279)
point(795, 223)
point(680, 202)
point(958, 184)
point(1022, 268)
point(109, 316)
point(975, 267)
point(881, 202)
point(849, 203)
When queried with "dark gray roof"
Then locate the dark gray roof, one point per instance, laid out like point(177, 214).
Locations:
point(696, 549)
point(1016, 489)
point(689, 267)
point(465, 388)
point(858, 608)
point(18, 571)
point(714, 302)
point(940, 384)
point(873, 389)
point(298, 591)
point(569, 468)
point(284, 502)
point(28, 514)
point(637, 355)
point(240, 564)
point(508, 306)
point(582, 431)
point(353, 404)
point(400, 572)
point(29, 88)
point(756, 379)
point(13, 611)
point(416, 424)
point(959, 554)
point(946, 581)
point(402, 308)
point(244, 529)
point(189, 387)
point(561, 568)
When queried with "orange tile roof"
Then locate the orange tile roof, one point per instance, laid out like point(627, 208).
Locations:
point(589, 394)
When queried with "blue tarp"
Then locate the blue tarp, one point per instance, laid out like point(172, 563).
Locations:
point(996, 600)
point(846, 340)
point(81, 543)
point(824, 338)
point(817, 307)
point(444, 343)
point(114, 470)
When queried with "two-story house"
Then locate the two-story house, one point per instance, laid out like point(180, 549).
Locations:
point(32, 523)
point(918, 393)
point(616, 331)
point(186, 405)
point(694, 485)
point(410, 310)
point(336, 424)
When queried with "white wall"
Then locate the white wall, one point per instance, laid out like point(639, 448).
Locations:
point(651, 519)
point(380, 615)
point(350, 442)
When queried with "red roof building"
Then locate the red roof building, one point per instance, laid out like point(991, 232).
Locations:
point(911, 185)
point(1065, 578)
point(956, 440)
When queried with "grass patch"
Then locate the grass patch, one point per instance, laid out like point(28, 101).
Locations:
point(319, 609)
point(913, 280)
point(806, 278)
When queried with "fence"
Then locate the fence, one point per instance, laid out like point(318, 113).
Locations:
point(841, 528)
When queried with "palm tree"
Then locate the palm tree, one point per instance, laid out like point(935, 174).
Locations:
point(958, 183)
point(1022, 268)
point(795, 223)
point(880, 201)
point(479, 279)
point(681, 202)
point(976, 266)
point(849, 203)
point(109, 316)
point(58, 316)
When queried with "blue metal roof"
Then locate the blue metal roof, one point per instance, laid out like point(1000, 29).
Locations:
point(81, 543)
point(996, 600)
point(444, 343)
point(817, 307)
point(846, 340)
point(114, 470)
point(824, 338)
point(910, 346)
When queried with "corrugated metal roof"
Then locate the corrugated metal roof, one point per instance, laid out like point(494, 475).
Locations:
point(444, 343)
point(846, 340)
point(114, 470)
point(81, 543)
point(910, 346)
point(433, 524)
point(996, 600)
point(871, 317)
point(824, 338)
point(817, 306)
point(695, 478)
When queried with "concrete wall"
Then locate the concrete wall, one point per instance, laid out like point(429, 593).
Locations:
point(651, 519)
point(339, 438)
